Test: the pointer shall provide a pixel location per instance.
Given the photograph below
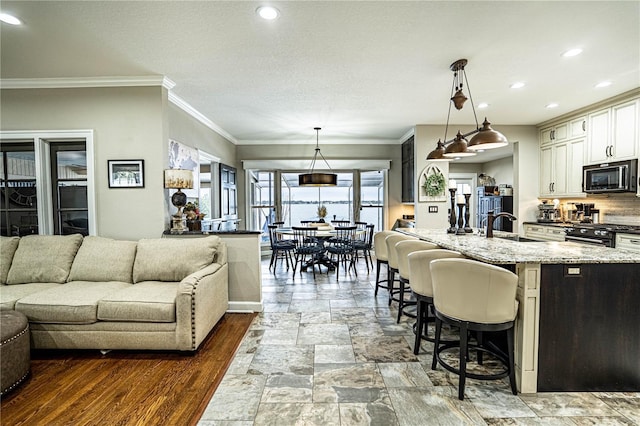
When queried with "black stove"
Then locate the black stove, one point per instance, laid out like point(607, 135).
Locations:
point(601, 234)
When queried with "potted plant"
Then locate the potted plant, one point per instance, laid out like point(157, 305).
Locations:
point(322, 212)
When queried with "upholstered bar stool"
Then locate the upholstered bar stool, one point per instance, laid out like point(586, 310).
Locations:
point(391, 241)
point(382, 257)
point(420, 281)
point(403, 249)
point(474, 296)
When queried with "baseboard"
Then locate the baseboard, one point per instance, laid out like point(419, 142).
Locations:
point(244, 307)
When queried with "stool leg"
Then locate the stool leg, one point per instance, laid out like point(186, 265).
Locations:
point(436, 344)
point(419, 326)
point(463, 360)
point(392, 278)
point(512, 372)
point(480, 344)
point(378, 264)
point(400, 300)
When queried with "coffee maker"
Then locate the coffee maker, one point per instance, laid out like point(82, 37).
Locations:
point(585, 211)
point(549, 213)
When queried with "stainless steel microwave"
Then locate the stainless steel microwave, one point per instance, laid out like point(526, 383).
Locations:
point(619, 176)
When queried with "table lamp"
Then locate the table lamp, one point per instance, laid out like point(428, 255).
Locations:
point(178, 179)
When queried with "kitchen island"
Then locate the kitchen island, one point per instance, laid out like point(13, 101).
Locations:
point(579, 309)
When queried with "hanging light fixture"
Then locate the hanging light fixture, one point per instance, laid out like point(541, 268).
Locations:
point(484, 137)
point(314, 178)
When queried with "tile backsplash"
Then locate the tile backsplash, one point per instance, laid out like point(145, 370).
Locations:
point(622, 209)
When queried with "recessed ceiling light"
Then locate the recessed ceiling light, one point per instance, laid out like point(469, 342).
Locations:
point(552, 105)
point(483, 105)
point(517, 85)
point(572, 52)
point(9, 19)
point(267, 12)
point(603, 84)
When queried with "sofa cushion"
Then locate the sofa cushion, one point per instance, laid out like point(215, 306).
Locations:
point(103, 259)
point(43, 259)
point(172, 259)
point(8, 246)
point(10, 294)
point(75, 302)
point(148, 301)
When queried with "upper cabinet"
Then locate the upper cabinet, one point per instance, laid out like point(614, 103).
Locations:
point(613, 133)
point(608, 132)
point(408, 171)
point(561, 132)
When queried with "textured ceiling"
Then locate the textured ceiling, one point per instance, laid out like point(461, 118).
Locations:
point(363, 71)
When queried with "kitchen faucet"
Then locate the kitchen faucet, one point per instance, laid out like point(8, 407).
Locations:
point(491, 217)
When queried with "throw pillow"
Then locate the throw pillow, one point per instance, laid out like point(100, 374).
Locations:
point(104, 259)
point(172, 259)
point(43, 259)
point(8, 246)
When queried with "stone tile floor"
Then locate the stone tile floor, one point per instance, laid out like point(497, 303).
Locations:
point(328, 352)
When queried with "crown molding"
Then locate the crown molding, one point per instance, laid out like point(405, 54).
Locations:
point(323, 142)
point(186, 107)
point(72, 82)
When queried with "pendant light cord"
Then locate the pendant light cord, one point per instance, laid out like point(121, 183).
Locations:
point(315, 156)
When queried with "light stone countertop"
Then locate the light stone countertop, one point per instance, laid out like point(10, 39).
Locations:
point(507, 251)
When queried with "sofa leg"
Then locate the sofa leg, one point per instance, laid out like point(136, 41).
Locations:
point(105, 351)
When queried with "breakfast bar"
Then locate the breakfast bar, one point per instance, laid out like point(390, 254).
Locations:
point(577, 321)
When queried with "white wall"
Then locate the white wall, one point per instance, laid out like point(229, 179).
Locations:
point(501, 170)
point(127, 124)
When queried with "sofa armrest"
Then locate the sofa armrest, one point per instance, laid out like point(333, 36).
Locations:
point(202, 299)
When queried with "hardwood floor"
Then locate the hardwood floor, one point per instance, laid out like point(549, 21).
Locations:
point(124, 387)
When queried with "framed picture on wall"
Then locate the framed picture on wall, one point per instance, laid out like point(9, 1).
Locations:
point(126, 173)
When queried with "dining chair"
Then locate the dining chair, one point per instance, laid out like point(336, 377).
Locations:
point(364, 242)
point(307, 248)
point(280, 248)
point(342, 247)
point(336, 223)
point(474, 296)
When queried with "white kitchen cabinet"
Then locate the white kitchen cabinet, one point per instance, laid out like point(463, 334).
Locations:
point(553, 134)
point(544, 232)
point(613, 133)
point(628, 242)
point(577, 127)
point(561, 169)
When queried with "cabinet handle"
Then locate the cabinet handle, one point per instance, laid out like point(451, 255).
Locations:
point(611, 153)
point(553, 134)
point(634, 241)
point(584, 125)
point(606, 151)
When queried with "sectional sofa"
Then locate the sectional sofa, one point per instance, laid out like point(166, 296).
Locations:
point(98, 293)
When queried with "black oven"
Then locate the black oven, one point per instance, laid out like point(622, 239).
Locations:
point(590, 234)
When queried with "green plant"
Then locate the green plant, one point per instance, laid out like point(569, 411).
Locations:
point(434, 184)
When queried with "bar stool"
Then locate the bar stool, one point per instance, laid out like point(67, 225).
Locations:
point(404, 248)
point(391, 241)
point(474, 296)
point(382, 257)
point(420, 279)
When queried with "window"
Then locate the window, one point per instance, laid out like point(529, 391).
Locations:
point(19, 203)
point(263, 207)
point(372, 198)
point(46, 183)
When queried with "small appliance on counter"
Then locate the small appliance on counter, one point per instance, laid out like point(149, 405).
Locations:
point(584, 212)
point(549, 212)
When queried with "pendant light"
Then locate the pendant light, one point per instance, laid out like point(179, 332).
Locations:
point(314, 178)
point(483, 137)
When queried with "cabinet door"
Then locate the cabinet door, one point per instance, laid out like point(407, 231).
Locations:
point(561, 132)
point(560, 172)
point(546, 167)
point(575, 161)
point(624, 130)
point(546, 136)
point(577, 127)
point(599, 140)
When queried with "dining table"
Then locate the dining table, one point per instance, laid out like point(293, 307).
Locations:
point(323, 234)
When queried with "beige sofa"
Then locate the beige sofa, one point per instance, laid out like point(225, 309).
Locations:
point(99, 293)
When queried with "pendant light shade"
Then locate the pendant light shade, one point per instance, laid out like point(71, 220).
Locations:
point(487, 138)
point(314, 178)
point(318, 179)
point(458, 148)
point(438, 153)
